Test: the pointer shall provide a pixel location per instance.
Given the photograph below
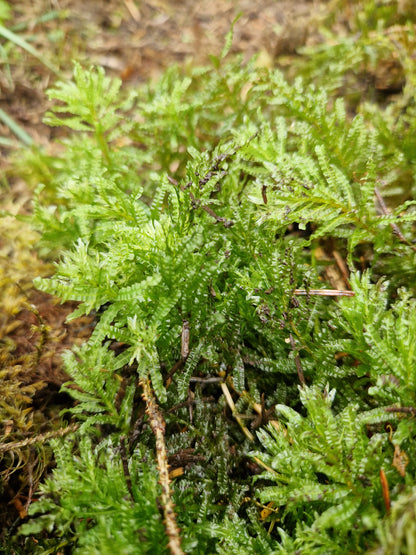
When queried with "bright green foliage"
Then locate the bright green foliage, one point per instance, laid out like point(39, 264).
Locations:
point(197, 206)
point(383, 341)
point(239, 536)
point(326, 469)
point(103, 398)
point(92, 100)
point(92, 483)
point(378, 341)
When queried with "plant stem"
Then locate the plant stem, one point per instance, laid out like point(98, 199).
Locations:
point(40, 438)
point(157, 424)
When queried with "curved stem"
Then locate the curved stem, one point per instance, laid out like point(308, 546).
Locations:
point(157, 424)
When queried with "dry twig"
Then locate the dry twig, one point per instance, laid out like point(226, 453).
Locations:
point(40, 438)
point(231, 404)
point(157, 425)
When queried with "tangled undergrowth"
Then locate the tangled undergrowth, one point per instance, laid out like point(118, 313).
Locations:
point(245, 244)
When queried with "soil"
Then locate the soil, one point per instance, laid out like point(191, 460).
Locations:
point(135, 41)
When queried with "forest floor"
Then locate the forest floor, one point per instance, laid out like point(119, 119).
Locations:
point(135, 41)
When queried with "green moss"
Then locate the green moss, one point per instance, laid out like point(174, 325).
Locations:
point(188, 215)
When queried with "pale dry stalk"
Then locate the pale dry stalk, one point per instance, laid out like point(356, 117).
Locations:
point(157, 425)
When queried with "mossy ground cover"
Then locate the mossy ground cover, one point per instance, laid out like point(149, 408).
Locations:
point(220, 403)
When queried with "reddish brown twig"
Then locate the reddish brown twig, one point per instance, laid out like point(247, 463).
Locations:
point(385, 490)
point(157, 424)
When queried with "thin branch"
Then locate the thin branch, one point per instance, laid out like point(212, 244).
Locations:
point(177, 366)
point(125, 463)
point(325, 292)
point(206, 380)
point(41, 438)
point(231, 404)
point(406, 410)
point(226, 223)
point(297, 361)
point(157, 425)
point(264, 465)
